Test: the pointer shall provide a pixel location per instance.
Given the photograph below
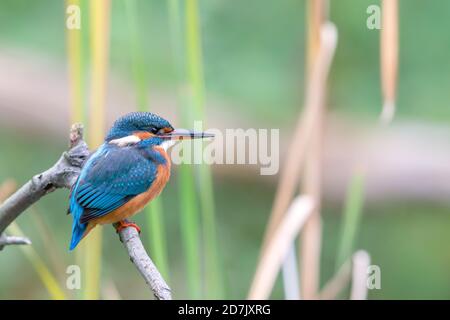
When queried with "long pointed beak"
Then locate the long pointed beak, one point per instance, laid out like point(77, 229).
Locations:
point(184, 134)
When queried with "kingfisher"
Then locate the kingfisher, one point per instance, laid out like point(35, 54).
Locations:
point(125, 173)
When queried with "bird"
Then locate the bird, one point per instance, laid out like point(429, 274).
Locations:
point(126, 172)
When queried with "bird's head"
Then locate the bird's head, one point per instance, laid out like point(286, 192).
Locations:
point(135, 127)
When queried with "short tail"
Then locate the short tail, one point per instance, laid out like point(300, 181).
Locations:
point(78, 231)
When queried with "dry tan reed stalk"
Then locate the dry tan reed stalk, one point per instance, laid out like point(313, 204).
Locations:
point(361, 262)
point(100, 15)
point(310, 240)
point(316, 15)
point(289, 271)
point(337, 283)
point(100, 26)
point(290, 172)
point(110, 291)
point(277, 248)
point(389, 58)
point(354, 269)
point(7, 188)
point(75, 68)
point(315, 94)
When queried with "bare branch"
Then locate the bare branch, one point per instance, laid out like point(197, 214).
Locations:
point(63, 174)
point(130, 238)
point(13, 240)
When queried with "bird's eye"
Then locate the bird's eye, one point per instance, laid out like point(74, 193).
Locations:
point(154, 130)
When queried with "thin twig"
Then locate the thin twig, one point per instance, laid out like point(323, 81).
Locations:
point(63, 175)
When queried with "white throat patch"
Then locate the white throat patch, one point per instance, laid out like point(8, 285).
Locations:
point(126, 141)
point(130, 140)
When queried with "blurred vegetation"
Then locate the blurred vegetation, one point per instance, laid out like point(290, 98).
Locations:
point(262, 46)
point(405, 239)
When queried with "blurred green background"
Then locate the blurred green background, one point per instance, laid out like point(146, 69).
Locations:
point(254, 64)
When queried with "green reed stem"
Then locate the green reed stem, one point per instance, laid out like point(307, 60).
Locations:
point(190, 230)
point(188, 202)
point(140, 76)
point(206, 192)
point(157, 236)
point(78, 56)
point(153, 212)
point(351, 219)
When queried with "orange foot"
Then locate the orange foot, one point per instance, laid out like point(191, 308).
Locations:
point(125, 224)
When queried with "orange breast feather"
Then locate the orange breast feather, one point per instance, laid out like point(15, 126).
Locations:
point(137, 203)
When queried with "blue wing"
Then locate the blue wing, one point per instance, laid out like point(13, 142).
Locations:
point(109, 179)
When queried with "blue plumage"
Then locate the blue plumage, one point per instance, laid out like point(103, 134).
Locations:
point(114, 175)
point(136, 121)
